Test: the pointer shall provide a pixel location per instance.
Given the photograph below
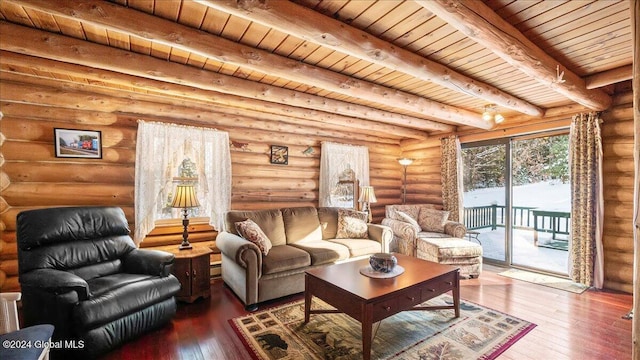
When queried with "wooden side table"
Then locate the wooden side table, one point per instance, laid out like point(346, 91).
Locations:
point(191, 267)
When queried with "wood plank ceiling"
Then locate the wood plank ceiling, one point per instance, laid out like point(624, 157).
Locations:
point(408, 69)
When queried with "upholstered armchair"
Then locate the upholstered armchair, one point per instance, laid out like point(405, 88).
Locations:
point(403, 220)
point(81, 272)
point(426, 233)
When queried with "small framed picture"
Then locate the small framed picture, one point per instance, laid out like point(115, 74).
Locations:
point(279, 155)
point(78, 143)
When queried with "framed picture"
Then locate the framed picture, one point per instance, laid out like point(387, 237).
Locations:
point(78, 143)
point(279, 155)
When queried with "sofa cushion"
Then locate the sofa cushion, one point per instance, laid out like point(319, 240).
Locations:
point(283, 258)
point(252, 232)
point(270, 221)
point(409, 220)
point(412, 210)
point(352, 224)
point(119, 295)
point(432, 219)
point(323, 251)
point(429, 234)
point(359, 247)
point(328, 217)
point(301, 224)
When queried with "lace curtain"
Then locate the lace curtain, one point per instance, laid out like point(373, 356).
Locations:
point(451, 173)
point(585, 160)
point(160, 150)
point(335, 159)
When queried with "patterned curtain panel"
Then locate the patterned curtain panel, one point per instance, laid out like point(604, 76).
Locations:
point(161, 150)
point(452, 177)
point(585, 160)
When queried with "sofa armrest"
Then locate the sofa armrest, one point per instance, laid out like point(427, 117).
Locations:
point(405, 235)
point(151, 262)
point(455, 229)
point(55, 282)
point(382, 234)
point(244, 252)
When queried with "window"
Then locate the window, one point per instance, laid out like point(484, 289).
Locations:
point(163, 152)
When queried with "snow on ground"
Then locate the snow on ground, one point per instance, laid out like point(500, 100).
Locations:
point(548, 195)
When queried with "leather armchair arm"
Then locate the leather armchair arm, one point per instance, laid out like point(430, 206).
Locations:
point(151, 262)
point(404, 233)
point(455, 229)
point(245, 253)
point(382, 234)
point(56, 282)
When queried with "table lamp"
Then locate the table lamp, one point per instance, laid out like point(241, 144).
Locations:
point(185, 198)
point(367, 196)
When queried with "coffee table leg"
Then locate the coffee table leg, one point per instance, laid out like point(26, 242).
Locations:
point(456, 295)
point(307, 300)
point(367, 324)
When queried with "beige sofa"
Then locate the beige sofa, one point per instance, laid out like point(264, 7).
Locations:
point(447, 246)
point(302, 238)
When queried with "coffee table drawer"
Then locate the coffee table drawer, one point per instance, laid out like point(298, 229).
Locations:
point(438, 287)
point(410, 298)
point(384, 309)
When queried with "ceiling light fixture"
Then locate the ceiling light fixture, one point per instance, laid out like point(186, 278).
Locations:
point(491, 113)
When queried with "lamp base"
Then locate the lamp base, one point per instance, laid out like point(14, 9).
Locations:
point(185, 247)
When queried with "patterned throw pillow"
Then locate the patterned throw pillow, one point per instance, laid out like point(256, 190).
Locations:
point(352, 224)
point(408, 219)
point(252, 232)
point(432, 220)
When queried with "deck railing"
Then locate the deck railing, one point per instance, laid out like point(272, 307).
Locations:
point(526, 218)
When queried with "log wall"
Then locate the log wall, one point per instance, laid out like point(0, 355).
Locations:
point(618, 180)
point(32, 177)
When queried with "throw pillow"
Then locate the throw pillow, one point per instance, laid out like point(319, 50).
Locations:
point(432, 220)
point(352, 224)
point(408, 219)
point(252, 232)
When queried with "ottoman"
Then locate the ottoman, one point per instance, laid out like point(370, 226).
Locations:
point(465, 254)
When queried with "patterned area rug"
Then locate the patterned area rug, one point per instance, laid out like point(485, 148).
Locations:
point(479, 333)
point(546, 280)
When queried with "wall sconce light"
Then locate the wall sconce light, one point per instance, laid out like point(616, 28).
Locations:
point(491, 113)
point(404, 162)
point(367, 196)
point(185, 198)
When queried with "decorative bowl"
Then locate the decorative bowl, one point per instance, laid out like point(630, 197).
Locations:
point(383, 262)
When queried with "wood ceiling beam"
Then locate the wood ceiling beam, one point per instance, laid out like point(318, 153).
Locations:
point(138, 24)
point(227, 104)
point(609, 77)
point(481, 24)
point(312, 26)
point(28, 41)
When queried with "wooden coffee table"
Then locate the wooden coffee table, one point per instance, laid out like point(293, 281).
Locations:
point(370, 300)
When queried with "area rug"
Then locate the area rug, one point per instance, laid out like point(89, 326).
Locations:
point(546, 280)
point(479, 333)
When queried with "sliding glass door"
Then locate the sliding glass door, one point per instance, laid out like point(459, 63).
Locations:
point(485, 197)
point(517, 200)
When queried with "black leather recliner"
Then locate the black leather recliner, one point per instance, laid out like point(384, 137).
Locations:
point(81, 272)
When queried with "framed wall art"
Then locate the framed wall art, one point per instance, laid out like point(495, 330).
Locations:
point(71, 143)
point(279, 155)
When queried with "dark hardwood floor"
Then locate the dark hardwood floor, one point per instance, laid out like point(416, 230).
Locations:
point(569, 326)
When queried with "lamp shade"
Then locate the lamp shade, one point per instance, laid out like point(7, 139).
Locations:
point(185, 197)
point(405, 161)
point(367, 195)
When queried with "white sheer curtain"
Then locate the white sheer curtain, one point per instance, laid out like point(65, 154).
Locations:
point(160, 149)
point(334, 160)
